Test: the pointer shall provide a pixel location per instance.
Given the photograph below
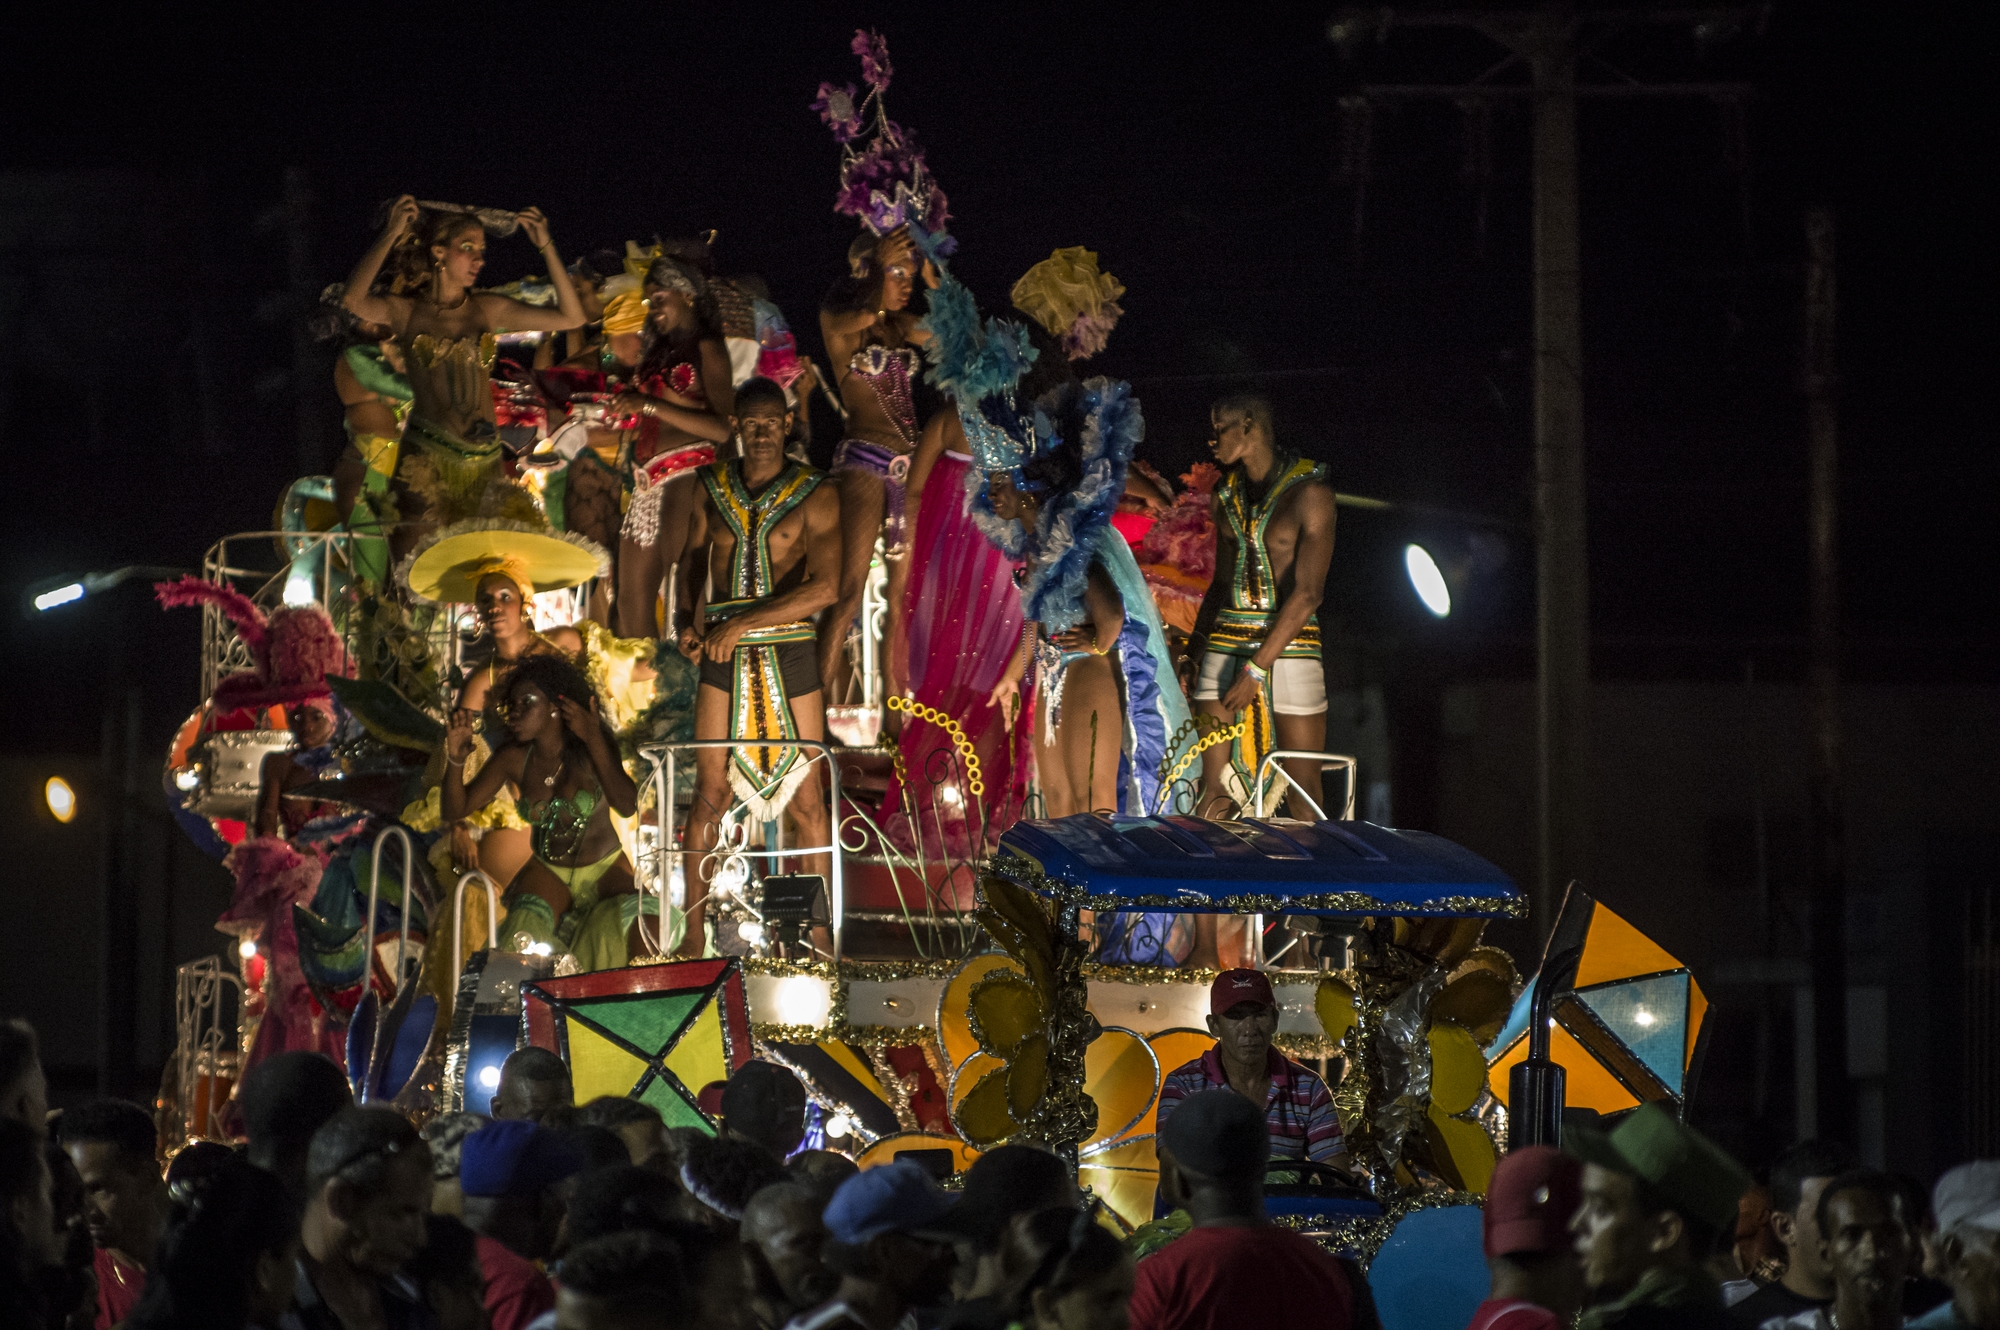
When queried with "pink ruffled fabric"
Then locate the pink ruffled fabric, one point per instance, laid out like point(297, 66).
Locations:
point(271, 877)
point(964, 621)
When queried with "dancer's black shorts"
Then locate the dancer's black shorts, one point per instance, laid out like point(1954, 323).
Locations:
point(798, 669)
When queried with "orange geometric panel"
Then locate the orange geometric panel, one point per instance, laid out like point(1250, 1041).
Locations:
point(1586, 1084)
point(1697, 1008)
point(1613, 949)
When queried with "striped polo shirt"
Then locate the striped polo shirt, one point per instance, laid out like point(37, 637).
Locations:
point(1298, 1109)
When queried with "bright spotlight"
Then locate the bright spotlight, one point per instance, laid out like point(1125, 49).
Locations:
point(838, 1125)
point(1427, 580)
point(489, 1077)
point(299, 589)
point(751, 931)
point(186, 778)
point(62, 799)
point(246, 948)
point(62, 595)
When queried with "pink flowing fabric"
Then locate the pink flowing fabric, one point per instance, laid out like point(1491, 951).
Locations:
point(964, 622)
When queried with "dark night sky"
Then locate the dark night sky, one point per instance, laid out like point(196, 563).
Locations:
point(1200, 159)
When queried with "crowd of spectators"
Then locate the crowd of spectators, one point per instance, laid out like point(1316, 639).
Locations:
point(549, 1215)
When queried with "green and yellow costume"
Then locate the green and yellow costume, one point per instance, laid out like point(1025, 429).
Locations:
point(375, 507)
point(1242, 625)
point(759, 707)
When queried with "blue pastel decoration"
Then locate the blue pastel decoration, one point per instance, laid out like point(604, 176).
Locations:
point(1431, 1273)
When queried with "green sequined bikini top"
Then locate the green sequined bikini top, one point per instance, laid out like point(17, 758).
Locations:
point(557, 825)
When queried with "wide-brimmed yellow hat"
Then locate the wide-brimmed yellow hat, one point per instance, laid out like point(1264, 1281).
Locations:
point(448, 565)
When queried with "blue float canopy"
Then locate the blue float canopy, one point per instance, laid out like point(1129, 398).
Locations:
point(1265, 866)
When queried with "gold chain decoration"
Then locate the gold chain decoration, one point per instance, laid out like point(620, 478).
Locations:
point(1220, 734)
point(932, 716)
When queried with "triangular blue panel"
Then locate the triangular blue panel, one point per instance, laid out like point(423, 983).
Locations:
point(1517, 1022)
point(1650, 1016)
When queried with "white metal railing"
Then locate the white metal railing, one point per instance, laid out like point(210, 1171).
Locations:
point(733, 826)
point(208, 1051)
point(1326, 761)
point(872, 625)
point(458, 921)
point(382, 1008)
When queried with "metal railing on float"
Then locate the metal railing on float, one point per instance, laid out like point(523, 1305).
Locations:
point(1327, 762)
point(732, 850)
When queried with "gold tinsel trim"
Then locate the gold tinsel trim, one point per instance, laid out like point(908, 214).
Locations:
point(873, 972)
point(1364, 1237)
point(900, 1036)
point(1027, 873)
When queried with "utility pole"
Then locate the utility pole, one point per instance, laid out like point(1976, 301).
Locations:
point(1828, 919)
point(1546, 44)
point(1562, 575)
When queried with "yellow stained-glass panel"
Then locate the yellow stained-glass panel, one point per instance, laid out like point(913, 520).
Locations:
point(1586, 1084)
point(1613, 949)
point(1122, 1075)
point(1697, 1008)
point(969, 1075)
point(698, 1058)
point(886, 1149)
point(599, 1067)
point(1124, 1176)
point(1174, 1049)
point(954, 1026)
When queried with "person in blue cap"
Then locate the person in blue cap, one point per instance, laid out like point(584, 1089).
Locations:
point(886, 1238)
point(511, 1174)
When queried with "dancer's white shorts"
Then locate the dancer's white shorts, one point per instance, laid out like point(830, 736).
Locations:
point(1298, 683)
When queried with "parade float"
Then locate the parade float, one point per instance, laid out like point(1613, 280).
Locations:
point(945, 984)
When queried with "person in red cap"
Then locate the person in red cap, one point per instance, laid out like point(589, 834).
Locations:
point(1537, 1279)
point(1243, 1017)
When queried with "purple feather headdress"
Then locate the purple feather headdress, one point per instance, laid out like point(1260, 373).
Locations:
point(886, 184)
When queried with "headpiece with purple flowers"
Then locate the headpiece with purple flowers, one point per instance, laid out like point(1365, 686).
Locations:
point(884, 185)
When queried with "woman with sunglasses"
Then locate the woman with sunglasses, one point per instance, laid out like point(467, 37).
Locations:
point(576, 893)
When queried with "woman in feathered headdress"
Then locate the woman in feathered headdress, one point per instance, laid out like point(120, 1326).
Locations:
point(1049, 459)
point(873, 337)
point(293, 650)
point(955, 628)
point(1052, 455)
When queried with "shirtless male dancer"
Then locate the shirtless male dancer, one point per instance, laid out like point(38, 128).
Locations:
point(1255, 648)
point(763, 550)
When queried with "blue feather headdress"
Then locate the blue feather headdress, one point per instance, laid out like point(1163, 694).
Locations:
point(979, 367)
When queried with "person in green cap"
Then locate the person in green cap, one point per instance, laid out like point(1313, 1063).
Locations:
point(1657, 1194)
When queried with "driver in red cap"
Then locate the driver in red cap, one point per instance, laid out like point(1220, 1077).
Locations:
point(1243, 1017)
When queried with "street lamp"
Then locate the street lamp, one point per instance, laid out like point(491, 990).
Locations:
point(61, 799)
point(1427, 580)
point(55, 592)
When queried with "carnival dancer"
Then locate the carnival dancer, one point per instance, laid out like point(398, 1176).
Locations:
point(680, 398)
point(952, 633)
point(292, 650)
point(576, 893)
point(1177, 553)
point(451, 463)
point(1109, 719)
point(370, 377)
point(498, 568)
point(767, 531)
point(953, 630)
point(1255, 649)
point(873, 339)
